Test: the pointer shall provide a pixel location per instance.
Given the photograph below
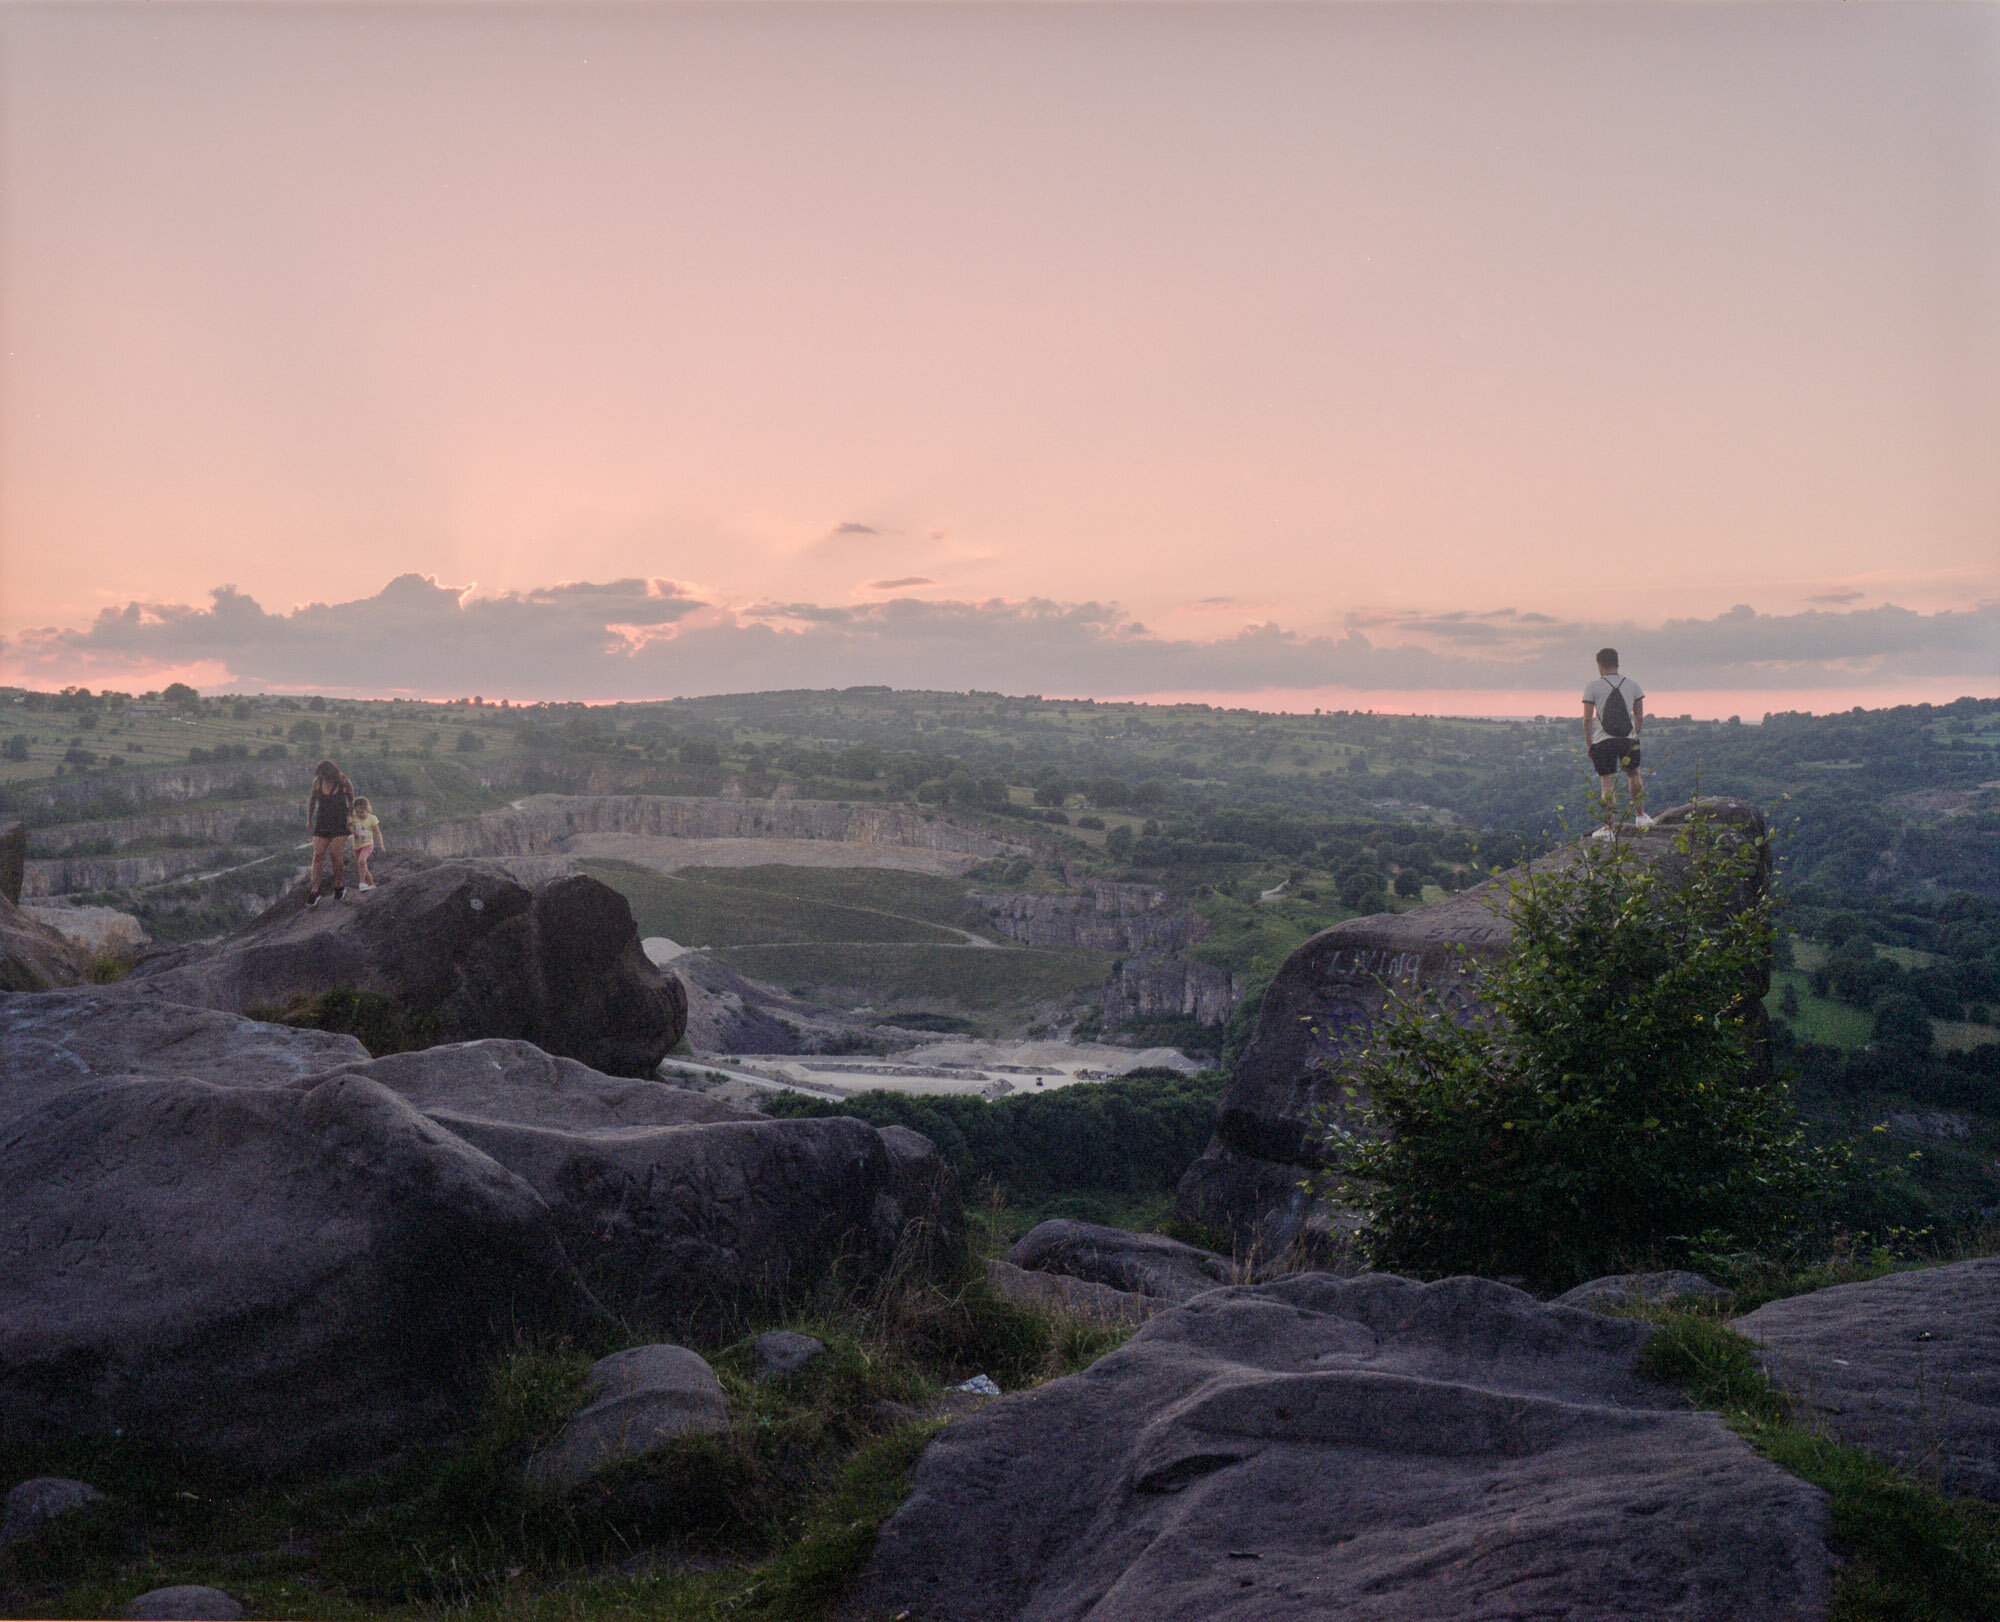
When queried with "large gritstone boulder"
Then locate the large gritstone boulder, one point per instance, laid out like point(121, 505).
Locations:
point(1320, 1011)
point(673, 1205)
point(274, 1275)
point(1907, 1367)
point(466, 950)
point(34, 957)
point(679, 1209)
point(1369, 1449)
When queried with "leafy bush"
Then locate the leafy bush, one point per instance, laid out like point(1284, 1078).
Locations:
point(1612, 1109)
point(1135, 1135)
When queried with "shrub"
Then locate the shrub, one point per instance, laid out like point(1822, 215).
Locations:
point(1612, 1109)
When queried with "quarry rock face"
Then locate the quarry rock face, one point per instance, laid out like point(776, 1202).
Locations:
point(1371, 1449)
point(273, 1275)
point(1151, 985)
point(1319, 1012)
point(1109, 917)
point(1906, 1367)
point(465, 946)
point(33, 957)
point(542, 822)
point(677, 1208)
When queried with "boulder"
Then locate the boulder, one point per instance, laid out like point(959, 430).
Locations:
point(186, 1602)
point(1059, 1294)
point(272, 1275)
point(1148, 1264)
point(641, 1400)
point(1370, 1449)
point(51, 1041)
point(781, 1352)
point(678, 1209)
point(1622, 1289)
point(1319, 1012)
point(465, 948)
point(1907, 1367)
point(33, 1503)
point(33, 957)
point(97, 931)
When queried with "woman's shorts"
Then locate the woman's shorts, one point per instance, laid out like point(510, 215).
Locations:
point(1610, 755)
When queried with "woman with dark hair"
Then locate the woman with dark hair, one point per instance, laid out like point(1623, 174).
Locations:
point(328, 807)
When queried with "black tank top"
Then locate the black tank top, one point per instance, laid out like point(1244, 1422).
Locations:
point(330, 813)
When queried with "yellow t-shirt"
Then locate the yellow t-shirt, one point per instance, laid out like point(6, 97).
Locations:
point(364, 828)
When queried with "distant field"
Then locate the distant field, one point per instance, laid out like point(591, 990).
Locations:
point(970, 976)
point(698, 911)
point(1820, 1019)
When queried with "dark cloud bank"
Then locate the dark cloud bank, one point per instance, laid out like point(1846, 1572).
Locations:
point(641, 639)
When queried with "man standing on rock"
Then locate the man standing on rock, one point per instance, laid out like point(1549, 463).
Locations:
point(1614, 709)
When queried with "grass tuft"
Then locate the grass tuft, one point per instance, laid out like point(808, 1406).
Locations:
point(1908, 1552)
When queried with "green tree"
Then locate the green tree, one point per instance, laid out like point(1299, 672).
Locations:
point(1611, 1109)
point(1118, 842)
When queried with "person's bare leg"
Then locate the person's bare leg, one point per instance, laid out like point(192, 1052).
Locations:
point(318, 861)
point(1636, 785)
point(336, 850)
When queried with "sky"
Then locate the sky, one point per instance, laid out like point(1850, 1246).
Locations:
point(1366, 356)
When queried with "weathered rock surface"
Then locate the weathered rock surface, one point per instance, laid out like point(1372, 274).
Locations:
point(269, 1274)
point(1369, 1449)
point(1071, 1297)
point(676, 1207)
point(1907, 1367)
point(77, 875)
point(1319, 1011)
point(461, 944)
point(1621, 1289)
point(1148, 1264)
point(186, 1602)
point(51, 1042)
point(34, 1503)
point(641, 1400)
point(780, 1352)
point(33, 957)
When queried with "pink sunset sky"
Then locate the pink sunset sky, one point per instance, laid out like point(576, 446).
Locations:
point(1370, 356)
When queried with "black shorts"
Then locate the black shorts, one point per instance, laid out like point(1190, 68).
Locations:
point(330, 833)
point(1610, 755)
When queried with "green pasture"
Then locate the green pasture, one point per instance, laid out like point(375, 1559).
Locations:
point(698, 911)
point(923, 896)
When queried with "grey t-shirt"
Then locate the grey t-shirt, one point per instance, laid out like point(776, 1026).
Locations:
point(1599, 690)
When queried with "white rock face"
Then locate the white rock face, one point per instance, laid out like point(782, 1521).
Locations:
point(95, 929)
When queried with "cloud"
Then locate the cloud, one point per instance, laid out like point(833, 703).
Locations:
point(856, 529)
point(1836, 598)
point(899, 583)
point(651, 638)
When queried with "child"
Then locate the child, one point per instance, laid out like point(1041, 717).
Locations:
point(367, 838)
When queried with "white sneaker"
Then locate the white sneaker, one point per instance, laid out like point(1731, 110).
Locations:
point(1642, 821)
point(1602, 833)
point(367, 887)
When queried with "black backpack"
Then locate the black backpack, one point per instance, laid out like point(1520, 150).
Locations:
point(1614, 717)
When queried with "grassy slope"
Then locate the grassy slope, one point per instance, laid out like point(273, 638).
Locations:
point(696, 911)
